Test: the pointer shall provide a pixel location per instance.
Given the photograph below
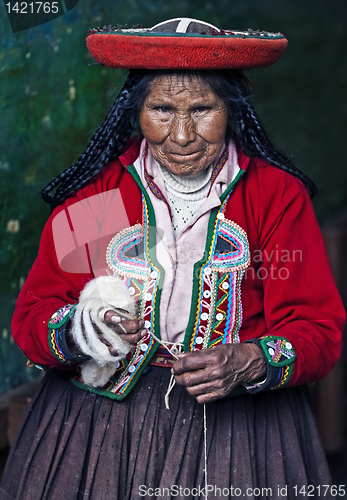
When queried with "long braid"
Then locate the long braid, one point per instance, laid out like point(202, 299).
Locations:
point(105, 145)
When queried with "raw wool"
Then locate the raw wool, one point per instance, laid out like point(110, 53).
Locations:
point(185, 196)
point(98, 296)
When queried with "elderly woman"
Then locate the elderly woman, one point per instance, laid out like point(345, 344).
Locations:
point(181, 295)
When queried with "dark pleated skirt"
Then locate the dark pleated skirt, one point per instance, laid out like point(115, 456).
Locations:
point(76, 445)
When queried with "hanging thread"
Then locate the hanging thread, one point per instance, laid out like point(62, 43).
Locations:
point(205, 447)
point(174, 350)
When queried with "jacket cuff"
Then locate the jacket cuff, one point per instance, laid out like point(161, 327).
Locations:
point(58, 326)
point(280, 355)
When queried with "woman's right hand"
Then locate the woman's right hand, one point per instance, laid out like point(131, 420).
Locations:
point(126, 325)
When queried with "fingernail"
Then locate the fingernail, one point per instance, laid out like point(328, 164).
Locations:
point(141, 323)
point(143, 333)
point(115, 319)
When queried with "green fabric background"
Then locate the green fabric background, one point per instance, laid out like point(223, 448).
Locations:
point(51, 102)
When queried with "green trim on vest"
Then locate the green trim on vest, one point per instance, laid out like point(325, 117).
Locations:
point(207, 255)
point(152, 245)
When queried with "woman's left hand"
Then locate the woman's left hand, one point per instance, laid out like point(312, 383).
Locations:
point(211, 374)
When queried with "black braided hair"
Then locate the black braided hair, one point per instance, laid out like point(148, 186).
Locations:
point(108, 141)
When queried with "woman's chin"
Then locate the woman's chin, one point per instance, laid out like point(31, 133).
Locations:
point(185, 165)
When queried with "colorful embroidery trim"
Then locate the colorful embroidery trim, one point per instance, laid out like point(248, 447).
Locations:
point(234, 313)
point(284, 376)
point(54, 345)
point(162, 358)
point(239, 257)
point(142, 279)
point(57, 321)
point(278, 350)
point(118, 258)
point(59, 318)
point(220, 281)
point(219, 165)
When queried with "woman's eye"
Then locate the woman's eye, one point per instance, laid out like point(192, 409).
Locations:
point(201, 109)
point(162, 109)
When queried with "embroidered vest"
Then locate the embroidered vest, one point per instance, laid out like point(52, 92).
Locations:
point(216, 310)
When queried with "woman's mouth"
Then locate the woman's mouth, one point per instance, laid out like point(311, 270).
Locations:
point(185, 155)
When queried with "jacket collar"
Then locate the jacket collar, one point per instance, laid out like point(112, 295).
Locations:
point(242, 158)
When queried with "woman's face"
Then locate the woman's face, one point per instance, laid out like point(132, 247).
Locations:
point(184, 123)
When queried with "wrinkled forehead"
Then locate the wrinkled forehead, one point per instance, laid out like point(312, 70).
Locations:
point(177, 82)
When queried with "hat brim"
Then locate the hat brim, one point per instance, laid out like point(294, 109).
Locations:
point(188, 51)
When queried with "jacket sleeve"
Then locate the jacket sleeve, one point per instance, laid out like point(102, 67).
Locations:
point(47, 298)
point(72, 252)
point(303, 311)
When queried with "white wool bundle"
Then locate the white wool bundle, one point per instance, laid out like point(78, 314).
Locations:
point(98, 296)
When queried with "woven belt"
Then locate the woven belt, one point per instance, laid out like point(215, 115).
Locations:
point(162, 358)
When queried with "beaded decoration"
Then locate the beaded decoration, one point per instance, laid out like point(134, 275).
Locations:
point(230, 317)
point(142, 278)
point(117, 254)
point(61, 316)
point(278, 350)
point(220, 285)
point(280, 356)
point(238, 258)
point(279, 353)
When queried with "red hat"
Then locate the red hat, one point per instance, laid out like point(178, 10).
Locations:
point(184, 43)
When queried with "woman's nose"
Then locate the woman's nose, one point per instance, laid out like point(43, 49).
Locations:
point(182, 130)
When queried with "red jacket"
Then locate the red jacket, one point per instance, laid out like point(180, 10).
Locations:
point(287, 292)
